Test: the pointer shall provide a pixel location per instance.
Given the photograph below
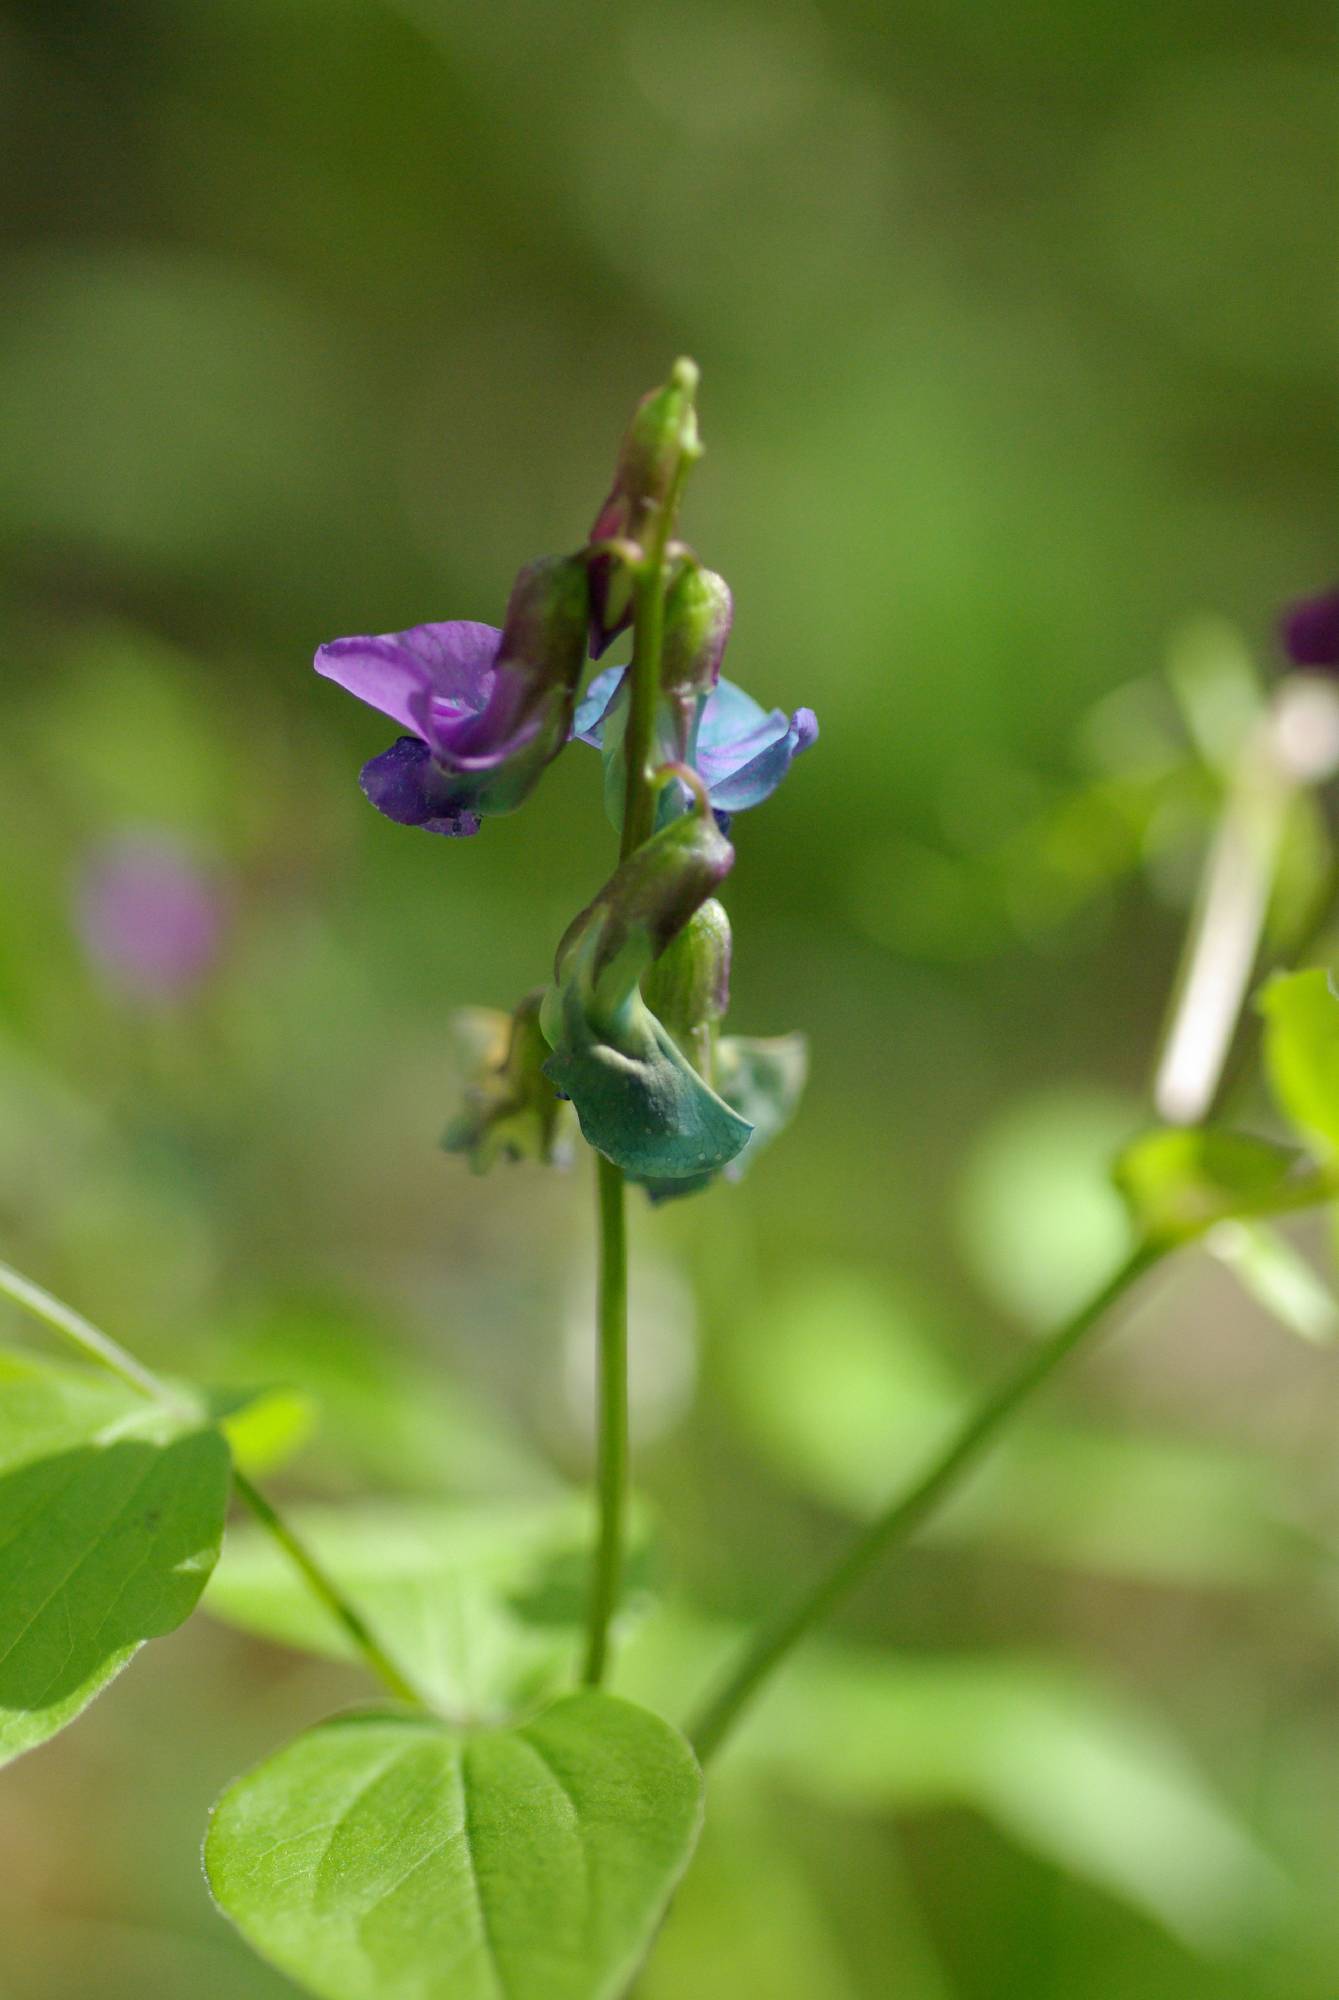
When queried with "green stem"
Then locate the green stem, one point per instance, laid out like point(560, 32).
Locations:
point(323, 1587)
point(639, 809)
point(612, 1473)
point(648, 637)
point(89, 1339)
point(910, 1507)
point(108, 1353)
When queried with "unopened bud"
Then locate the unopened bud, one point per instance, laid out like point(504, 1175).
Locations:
point(699, 612)
point(660, 445)
point(688, 986)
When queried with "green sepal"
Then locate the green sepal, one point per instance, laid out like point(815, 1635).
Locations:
point(761, 1080)
point(638, 1098)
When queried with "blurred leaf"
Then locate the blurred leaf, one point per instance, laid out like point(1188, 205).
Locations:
point(386, 1857)
point(111, 1514)
point(1067, 1769)
point(483, 1607)
point(1302, 1052)
point(264, 1427)
point(1279, 1278)
point(849, 1390)
point(749, 1911)
point(382, 1415)
point(1180, 1181)
point(1038, 1220)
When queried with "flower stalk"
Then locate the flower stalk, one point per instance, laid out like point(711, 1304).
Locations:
point(639, 809)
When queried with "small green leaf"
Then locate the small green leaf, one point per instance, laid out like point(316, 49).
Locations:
point(264, 1427)
point(1302, 1053)
point(1180, 1182)
point(111, 1516)
point(389, 1857)
point(482, 1605)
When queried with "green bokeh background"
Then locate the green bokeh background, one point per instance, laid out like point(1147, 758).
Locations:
point(1018, 337)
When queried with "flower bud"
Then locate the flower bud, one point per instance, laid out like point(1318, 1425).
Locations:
point(699, 612)
point(511, 1111)
point(660, 445)
point(688, 986)
point(638, 1098)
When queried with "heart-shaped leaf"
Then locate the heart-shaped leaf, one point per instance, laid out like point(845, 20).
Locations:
point(111, 1516)
point(391, 1857)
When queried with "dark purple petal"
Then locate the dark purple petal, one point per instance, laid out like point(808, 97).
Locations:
point(1310, 631)
point(406, 785)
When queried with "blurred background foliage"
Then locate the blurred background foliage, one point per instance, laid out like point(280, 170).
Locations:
point(1018, 336)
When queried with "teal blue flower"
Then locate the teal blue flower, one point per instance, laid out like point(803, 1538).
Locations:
point(740, 750)
point(638, 1098)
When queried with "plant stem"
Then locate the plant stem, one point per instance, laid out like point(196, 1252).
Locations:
point(639, 808)
point(323, 1587)
point(910, 1507)
point(89, 1339)
point(108, 1353)
point(612, 1473)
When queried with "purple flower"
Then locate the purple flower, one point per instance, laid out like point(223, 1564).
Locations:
point(1310, 631)
point(740, 751)
point(485, 709)
point(150, 919)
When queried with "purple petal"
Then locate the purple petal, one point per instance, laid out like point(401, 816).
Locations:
point(415, 675)
point(743, 752)
point(406, 785)
point(1311, 631)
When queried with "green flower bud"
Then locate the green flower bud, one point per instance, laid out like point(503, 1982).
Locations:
point(660, 445)
point(688, 986)
point(639, 1099)
point(699, 612)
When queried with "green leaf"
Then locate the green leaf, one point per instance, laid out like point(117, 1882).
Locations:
point(1065, 1766)
point(482, 1606)
point(111, 1516)
point(264, 1427)
point(1180, 1182)
point(387, 1857)
point(847, 1386)
point(1302, 1053)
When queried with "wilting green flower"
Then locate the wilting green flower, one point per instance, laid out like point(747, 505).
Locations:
point(511, 1111)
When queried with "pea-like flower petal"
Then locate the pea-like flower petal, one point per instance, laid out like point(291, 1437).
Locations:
point(486, 709)
point(740, 750)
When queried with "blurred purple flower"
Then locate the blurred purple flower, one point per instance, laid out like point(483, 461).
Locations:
point(149, 916)
point(1310, 631)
